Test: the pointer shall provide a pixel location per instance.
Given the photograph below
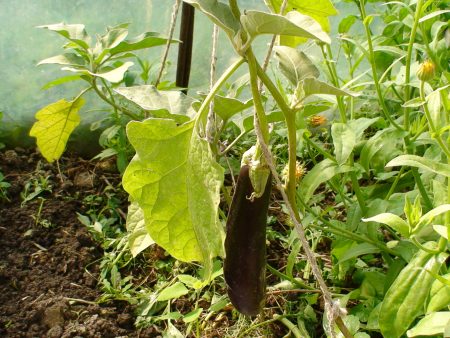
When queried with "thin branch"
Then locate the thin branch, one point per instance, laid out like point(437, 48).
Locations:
point(173, 22)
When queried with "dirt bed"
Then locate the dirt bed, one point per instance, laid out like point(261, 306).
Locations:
point(49, 270)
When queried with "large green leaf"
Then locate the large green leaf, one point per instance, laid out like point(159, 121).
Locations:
point(54, 125)
point(294, 64)
point(75, 33)
point(422, 163)
point(358, 250)
point(344, 140)
point(145, 40)
point(319, 10)
point(176, 181)
point(161, 104)
point(321, 173)
point(405, 299)
point(293, 24)
point(138, 239)
point(219, 13)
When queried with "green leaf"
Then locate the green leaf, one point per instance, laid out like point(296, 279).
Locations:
point(346, 23)
point(114, 36)
point(382, 139)
point(433, 14)
point(293, 24)
point(162, 104)
point(295, 65)
point(219, 13)
point(404, 301)
point(321, 173)
point(319, 10)
point(439, 295)
point(143, 41)
point(70, 59)
point(430, 325)
point(193, 315)
point(174, 291)
point(360, 125)
point(115, 75)
point(75, 33)
point(428, 218)
point(422, 163)
point(359, 250)
point(61, 81)
point(175, 180)
point(138, 239)
point(441, 230)
point(227, 107)
point(313, 86)
point(54, 125)
point(391, 220)
point(344, 140)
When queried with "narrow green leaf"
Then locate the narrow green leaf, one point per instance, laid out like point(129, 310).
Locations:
point(70, 59)
point(143, 41)
point(422, 163)
point(313, 86)
point(61, 81)
point(321, 173)
point(344, 140)
point(391, 220)
point(193, 315)
point(359, 250)
point(293, 24)
point(428, 218)
point(175, 180)
point(295, 65)
point(138, 239)
point(433, 14)
point(54, 125)
point(75, 33)
point(174, 291)
point(219, 13)
point(430, 325)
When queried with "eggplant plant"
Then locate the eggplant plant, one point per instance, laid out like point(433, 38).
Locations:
point(102, 66)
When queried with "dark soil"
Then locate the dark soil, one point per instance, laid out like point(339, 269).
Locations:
point(48, 270)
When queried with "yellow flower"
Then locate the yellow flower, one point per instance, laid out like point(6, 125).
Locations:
point(426, 71)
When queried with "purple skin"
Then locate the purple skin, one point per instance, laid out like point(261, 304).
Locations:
point(245, 247)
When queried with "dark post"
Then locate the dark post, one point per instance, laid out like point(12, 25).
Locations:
point(185, 46)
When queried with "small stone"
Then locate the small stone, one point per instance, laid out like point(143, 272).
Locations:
point(53, 316)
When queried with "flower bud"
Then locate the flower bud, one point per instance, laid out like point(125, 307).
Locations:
point(426, 71)
point(317, 121)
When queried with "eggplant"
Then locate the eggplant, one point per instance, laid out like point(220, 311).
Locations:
point(245, 246)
